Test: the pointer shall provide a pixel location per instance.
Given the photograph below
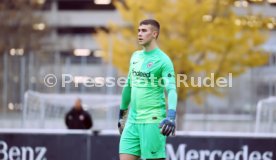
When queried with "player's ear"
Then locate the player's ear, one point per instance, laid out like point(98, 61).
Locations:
point(155, 34)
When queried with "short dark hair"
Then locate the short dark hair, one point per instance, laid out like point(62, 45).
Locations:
point(152, 22)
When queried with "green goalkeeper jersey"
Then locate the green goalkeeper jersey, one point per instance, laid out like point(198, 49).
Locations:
point(150, 74)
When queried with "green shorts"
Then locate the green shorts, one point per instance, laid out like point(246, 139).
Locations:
point(143, 140)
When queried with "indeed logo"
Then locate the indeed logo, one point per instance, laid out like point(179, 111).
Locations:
point(22, 153)
point(140, 74)
point(182, 153)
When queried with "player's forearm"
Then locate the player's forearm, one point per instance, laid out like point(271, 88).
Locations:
point(126, 94)
point(167, 125)
point(172, 99)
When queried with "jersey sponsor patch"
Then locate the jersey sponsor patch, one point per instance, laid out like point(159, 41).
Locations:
point(140, 74)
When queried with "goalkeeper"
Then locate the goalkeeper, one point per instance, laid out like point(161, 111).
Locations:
point(148, 124)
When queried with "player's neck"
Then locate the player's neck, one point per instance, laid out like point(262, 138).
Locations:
point(150, 46)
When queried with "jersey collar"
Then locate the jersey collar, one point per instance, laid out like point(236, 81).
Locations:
point(151, 51)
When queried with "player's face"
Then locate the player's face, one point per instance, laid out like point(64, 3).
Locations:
point(146, 34)
point(78, 104)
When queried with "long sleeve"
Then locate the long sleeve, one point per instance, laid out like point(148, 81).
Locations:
point(172, 99)
point(126, 93)
point(67, 121)
point(88, 121)
point(168, 76)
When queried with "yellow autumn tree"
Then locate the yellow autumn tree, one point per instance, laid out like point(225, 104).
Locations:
point(200, 36)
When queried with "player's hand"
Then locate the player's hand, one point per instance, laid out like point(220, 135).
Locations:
point(121, 125)
point(122, 120)
point(167, 127)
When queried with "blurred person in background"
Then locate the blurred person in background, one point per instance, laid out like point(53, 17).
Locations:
point(77, 118)
point(148, 122)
